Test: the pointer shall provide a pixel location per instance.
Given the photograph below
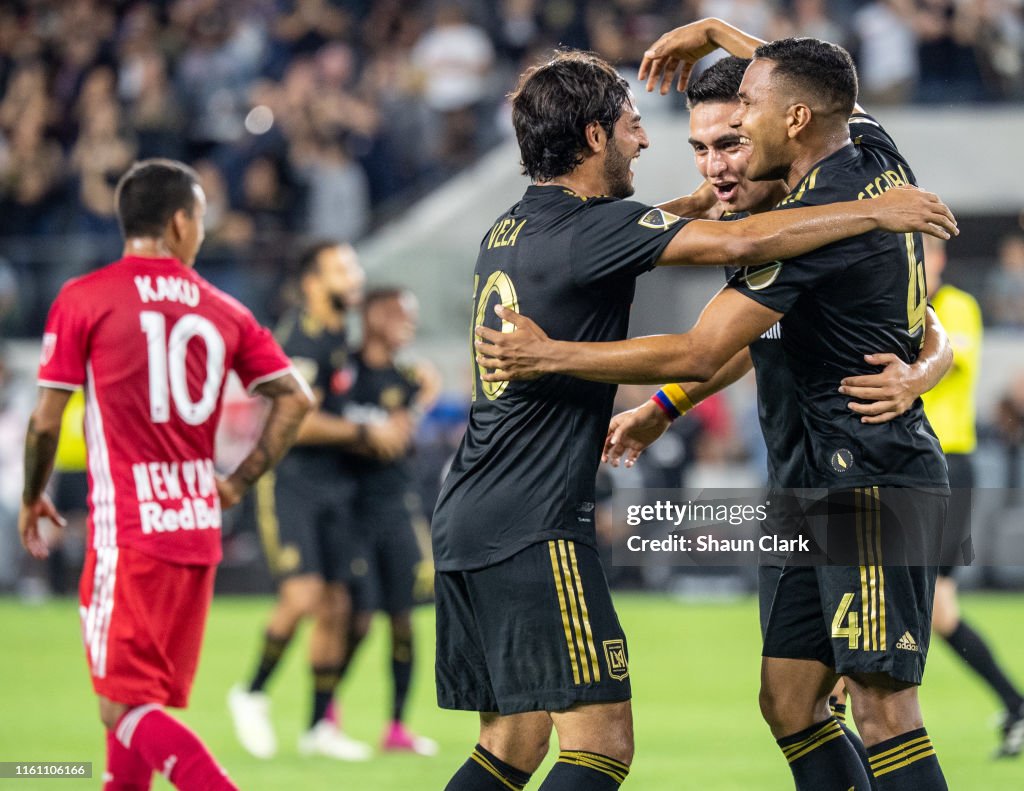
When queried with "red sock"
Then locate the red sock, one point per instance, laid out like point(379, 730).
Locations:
point(170, 748)
point(126, 771)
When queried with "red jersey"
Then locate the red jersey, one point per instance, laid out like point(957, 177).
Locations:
point(151, 342)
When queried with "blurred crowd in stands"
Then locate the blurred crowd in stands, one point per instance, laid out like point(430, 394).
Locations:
point(323, 117)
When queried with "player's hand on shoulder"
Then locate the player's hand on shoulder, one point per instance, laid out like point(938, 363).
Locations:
point(889, 393)
point(28, 525)
point(630, 433)
point(516, 353)
point(908, 209)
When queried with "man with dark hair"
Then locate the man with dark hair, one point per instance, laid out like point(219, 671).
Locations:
point(152, 343)
point(527, 634)
point(868, 622)
point(721, 155)
point(305, 510)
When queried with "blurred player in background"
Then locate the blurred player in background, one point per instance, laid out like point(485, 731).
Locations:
point(305, 509)
point(151, 343)
point(388, 513)
point(951, 410)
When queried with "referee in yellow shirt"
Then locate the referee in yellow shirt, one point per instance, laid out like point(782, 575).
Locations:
point(951, 408)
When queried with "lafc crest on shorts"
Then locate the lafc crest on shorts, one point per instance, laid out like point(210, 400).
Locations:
point(615, 658)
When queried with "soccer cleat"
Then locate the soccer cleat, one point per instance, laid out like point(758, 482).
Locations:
point(250, 712)
point(326, 739)
point(399, 739)
point(1013, 734)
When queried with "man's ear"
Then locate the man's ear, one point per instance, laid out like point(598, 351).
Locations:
point(798, 118)
point(178, 224)
point(596, 137)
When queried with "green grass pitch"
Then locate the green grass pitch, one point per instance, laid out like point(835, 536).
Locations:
point(694, 669)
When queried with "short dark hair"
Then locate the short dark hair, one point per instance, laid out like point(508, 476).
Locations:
point(555, 102)
point(308, 258)
point(719, 82)
point(382, 294)
point(817, 69)
point(149, 194)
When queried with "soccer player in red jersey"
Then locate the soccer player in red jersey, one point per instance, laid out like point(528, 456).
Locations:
point(151, 342)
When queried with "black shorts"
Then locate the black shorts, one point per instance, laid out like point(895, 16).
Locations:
point(392, 552)
point(785, 519)
point(957, 548)
point(306, 526)
point(535, 632)
point(870, 618)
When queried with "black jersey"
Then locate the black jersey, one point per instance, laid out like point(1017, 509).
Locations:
point(375, 394)
point(525, 469)
point(321, 357)
point(858, 296)
point(778, 410)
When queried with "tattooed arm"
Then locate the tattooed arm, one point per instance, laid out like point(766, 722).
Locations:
point(40, 450)
point(290, 401)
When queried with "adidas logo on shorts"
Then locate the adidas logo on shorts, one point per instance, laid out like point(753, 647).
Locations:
point(907, 642)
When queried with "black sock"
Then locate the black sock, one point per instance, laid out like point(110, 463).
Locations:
point(325, 681)
point(821, 758)
point(973, 649)
point(577, 770)
point(273, 650)
point(907, 763)
point(401, 673)
point(485, 772)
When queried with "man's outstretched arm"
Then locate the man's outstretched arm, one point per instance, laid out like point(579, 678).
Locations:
point(728, 323)
point(290, 402)
point(778, 235)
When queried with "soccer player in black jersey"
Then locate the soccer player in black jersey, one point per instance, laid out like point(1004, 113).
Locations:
point(856, 295)
point(387, 508)
point(527, 634)
point(721, 157)
point(305, 510)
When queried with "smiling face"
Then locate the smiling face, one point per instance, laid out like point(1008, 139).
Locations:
point(722, 154)
point(627, 140)
point(762, 116)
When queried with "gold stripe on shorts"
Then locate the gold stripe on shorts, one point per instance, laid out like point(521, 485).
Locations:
point(570, 643)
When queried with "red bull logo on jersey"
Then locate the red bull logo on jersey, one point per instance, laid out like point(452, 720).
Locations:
point(177, 496)
point(167, 289)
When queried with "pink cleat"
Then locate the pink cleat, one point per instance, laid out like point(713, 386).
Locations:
point(399, 739)
point(333, 714)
